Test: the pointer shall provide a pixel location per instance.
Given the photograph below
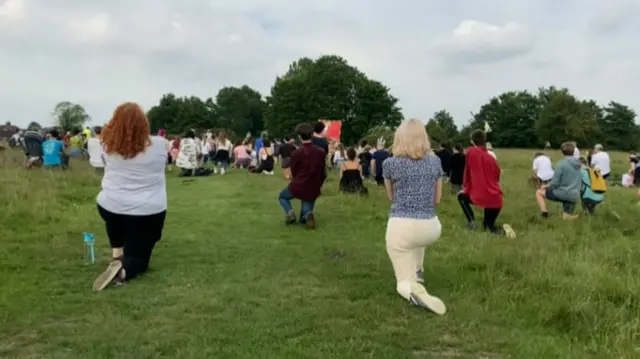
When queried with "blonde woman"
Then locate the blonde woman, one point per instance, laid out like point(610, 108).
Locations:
point(413, 182)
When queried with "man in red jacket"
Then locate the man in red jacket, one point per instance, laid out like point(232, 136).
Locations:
point(481, 187)
point(308, 172)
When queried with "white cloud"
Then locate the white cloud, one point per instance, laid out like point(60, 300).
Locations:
point(95, 28)
point(12, 9)
point(432, 54)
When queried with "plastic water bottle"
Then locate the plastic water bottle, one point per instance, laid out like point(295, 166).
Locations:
point(89, 248)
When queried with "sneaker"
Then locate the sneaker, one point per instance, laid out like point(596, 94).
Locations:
point(269, 173)
point(215, 171)
point(508, 231)
point(222, 171)
point(569, 217)
point(290, 218)
point(108, 276)
point(420, 297)
point(311, 221)
point(420, 276)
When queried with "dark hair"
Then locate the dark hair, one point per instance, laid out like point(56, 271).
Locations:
point(190, 134)
point(318, 127)
point(97, 130)
point(266, 143)
point(478, 137)
point(459, 147)
point(76, 131)
point(583, 161)
point(287, 138)
point(54, 134)
point(446, 145)
point(305, 131)
point(538, 154)
point(351, 154)
point(363, 143)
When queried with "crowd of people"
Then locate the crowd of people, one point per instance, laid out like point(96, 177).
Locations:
point(133, 199)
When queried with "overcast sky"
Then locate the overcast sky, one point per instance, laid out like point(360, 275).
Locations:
point(433, 54)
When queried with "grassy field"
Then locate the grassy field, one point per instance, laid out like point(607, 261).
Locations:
point(229, 280)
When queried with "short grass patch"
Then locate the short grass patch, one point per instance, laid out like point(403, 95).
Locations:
point(229, 280)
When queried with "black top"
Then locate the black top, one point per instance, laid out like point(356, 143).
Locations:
point(286, 150)
point(456, 165)
point(322, 143)
point(445, 160)
point(365, 159)
point(351, 182)
point(380, 156)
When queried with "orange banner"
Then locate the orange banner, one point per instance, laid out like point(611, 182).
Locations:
point(332, 129)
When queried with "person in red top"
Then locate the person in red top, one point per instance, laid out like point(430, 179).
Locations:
point(308, 172)
point(481, 187)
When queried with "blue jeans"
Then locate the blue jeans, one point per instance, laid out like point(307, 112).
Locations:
point(223, 164)
point(285, 198)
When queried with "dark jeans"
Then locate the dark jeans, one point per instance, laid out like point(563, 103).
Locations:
point(567, 207)
point(285, 198)
point(589, 206)
point(137, 235)
point(490, 214)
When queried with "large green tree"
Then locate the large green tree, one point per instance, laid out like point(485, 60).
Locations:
point(70, 116)
point(618, 127)
point(436, 133)
point(178, 114)
point(329, 88)
point(565, 118)
point(512, 117)
point(444, 119)
point(240, 110)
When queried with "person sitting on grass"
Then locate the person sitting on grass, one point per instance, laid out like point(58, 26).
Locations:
point(308, 171)
point(564, 186)
point(590, 199)
point(53, 155)
point(481, 187)
point(413, 182)
point(542, 169)
point(133, 199)
point(351, 174)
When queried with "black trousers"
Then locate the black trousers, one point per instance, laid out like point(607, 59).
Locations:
point(490, 214)
point(137, 235)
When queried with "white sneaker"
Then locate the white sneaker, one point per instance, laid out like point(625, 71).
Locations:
point(215, 171)
point(421, 298)
point(270, 173)
point(222, 171)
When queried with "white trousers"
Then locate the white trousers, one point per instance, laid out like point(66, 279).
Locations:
point(406, 241)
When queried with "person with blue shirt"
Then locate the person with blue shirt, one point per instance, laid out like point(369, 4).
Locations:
point(590, 199)
point(259, 143)
point(53, 151)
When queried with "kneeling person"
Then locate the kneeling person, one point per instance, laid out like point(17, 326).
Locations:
point(564, 186)
point(590, 199)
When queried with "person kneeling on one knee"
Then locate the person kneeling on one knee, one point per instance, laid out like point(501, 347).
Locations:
point(564, 186)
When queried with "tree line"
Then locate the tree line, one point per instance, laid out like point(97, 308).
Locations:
point(329, 88)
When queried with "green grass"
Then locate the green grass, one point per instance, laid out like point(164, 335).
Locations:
point(228, 280)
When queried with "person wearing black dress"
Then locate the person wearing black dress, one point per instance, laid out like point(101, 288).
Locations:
point(351, 175)
point(456, 167)
point(365, 161)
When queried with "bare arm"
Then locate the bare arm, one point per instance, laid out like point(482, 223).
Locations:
point(388, 186)
point(438, 191)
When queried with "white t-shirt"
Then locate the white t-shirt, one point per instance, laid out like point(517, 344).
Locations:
point(95, 152)
point(576, 153)
point(602, 162)
point(135, 186)
point(543, 167)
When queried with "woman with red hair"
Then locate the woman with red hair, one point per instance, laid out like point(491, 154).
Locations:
point(133, 199)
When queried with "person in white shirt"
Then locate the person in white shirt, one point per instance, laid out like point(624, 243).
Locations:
point(223, 153)
point(133, 199)
point(188, 157)
point(94, 148)
point(576, 150)
point(600, 160)
point(542, 168)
